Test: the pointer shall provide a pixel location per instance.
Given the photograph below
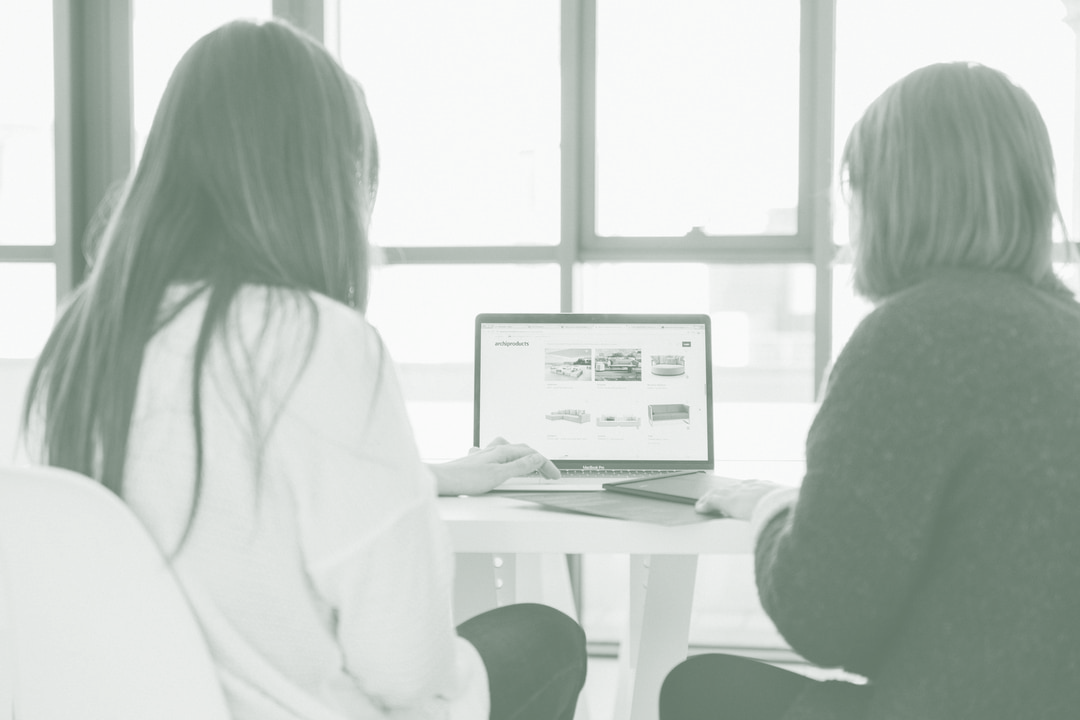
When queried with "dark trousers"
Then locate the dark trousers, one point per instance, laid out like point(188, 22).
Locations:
point(710, 687)
point(535, 659)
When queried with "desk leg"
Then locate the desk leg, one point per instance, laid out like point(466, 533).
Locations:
point(661, 598)
point(474, 585)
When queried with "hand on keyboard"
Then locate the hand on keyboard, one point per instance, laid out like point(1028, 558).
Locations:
point(484, 469)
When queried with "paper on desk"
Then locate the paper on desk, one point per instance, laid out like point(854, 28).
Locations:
point(615, 505)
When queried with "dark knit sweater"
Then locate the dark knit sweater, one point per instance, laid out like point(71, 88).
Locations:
point(935, 544)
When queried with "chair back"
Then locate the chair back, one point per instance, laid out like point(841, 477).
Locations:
point(93, 624)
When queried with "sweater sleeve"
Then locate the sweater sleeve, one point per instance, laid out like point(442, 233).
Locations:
point(376, 551)
point(835, 572)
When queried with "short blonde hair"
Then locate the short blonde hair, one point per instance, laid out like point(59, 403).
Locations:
point(951, 167)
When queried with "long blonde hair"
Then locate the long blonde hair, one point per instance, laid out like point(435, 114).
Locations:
point(260, 168)
point(951, 167)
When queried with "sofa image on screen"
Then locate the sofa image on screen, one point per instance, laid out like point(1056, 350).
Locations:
point(671, 411)
point(618, 421)
point(668, 365)
point(578, 416)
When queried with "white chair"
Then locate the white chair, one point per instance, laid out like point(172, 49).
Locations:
point(92, 623)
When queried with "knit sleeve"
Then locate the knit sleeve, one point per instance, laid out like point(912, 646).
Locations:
point(836, 571)
point(376, 551)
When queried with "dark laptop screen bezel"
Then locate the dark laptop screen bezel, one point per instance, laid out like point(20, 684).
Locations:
point(590, 318)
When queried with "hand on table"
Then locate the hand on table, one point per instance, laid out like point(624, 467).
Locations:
point(736, 500)
point(484, 469)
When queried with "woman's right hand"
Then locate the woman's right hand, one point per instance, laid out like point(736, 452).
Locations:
point(486, 468)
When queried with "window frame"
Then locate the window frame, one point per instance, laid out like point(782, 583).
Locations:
point(95, 140)
point(579, 243)
point(93, 117)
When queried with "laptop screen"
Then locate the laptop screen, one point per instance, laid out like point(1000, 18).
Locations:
point(606, 391)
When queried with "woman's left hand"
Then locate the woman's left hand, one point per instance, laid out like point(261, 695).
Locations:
point(484, 469)
point(736, 500)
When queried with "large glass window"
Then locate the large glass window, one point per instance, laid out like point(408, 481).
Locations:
point(697, 117)
point(762, 318)
point(27, 307)
point(27, 181)
point(426, 315)
point(27, 190)
point(465, 98)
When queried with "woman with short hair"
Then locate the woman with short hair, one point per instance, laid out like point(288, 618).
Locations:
point(932, 546)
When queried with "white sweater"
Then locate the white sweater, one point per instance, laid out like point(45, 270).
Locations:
point(323, 581)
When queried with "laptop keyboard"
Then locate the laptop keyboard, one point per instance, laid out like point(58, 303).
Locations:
point(614, 474)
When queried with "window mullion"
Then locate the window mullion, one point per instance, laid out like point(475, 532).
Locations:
point(94, 110)
point(27, 253)
point(817, 83)
point(759, 249)
point(578, 60)
point(468, 254)
point(307, 15)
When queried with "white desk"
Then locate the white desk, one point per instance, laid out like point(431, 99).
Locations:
point(512, 551)
point(523, 537)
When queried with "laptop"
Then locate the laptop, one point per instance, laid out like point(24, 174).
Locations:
point(605, 397)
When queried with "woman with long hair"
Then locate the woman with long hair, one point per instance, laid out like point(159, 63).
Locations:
point(216, 372)
point(932, 546)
